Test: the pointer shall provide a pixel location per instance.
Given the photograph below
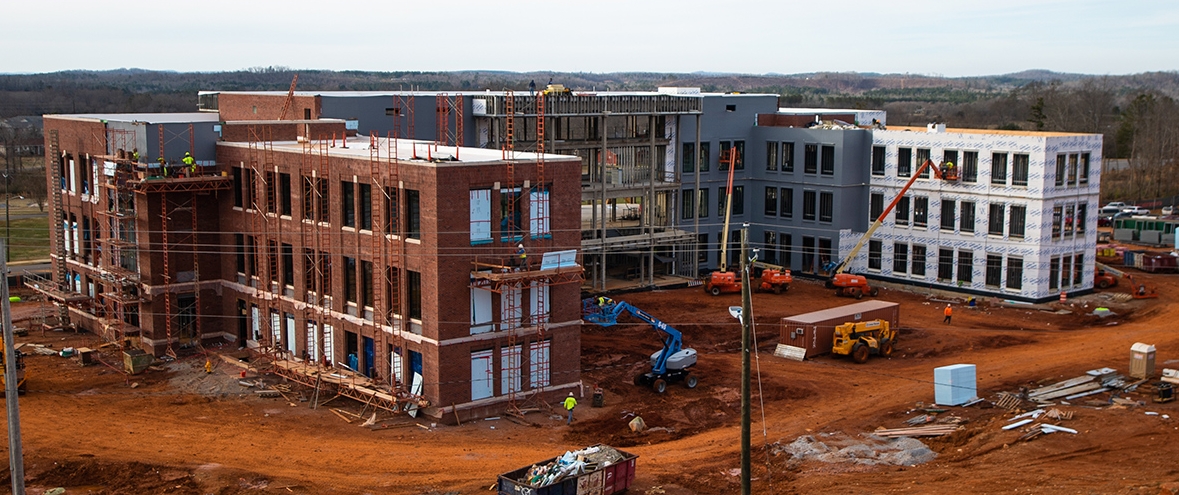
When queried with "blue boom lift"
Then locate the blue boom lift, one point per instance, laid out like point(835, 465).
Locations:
point(668, 365)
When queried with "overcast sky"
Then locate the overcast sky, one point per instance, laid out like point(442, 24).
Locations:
point(945, 37)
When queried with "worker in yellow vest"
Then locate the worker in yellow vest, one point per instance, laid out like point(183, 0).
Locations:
point(570, 403)
point(190, 162)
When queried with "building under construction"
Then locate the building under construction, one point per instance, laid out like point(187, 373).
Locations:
point(628, 143)
point(406, 274)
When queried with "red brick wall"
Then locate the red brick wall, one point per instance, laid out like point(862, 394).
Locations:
point(239, 131)
point(236, 106)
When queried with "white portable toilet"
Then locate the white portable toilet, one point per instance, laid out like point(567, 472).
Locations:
point(1141, 360)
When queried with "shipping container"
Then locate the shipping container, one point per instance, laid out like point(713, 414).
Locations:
point(815, 332)
point(604, 479)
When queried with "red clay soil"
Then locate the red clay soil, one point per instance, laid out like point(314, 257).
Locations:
point(181, 431)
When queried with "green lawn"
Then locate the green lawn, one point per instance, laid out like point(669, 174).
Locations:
point(28, 238)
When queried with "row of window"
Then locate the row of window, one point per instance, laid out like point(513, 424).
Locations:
point(816, 158)
point(952, 266)
point(358, 275)
point(1072, 169)
point(356, 201)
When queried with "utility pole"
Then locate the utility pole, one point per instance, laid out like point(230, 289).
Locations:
point(16, 461)
point(746, 339)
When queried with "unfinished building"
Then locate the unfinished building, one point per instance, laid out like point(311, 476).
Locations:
point(388, 269)
point(628, 143)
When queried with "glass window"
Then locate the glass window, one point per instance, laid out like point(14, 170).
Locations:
point(922, 156)
point(808, 205)
point(413, 212)
point(966, 222)
point(787, 202)
point(688, 162)
point(772, 156)
point(771, 201)
point(918, 261)
point(994, 276)
point(999, 168)
point(769, 247)
point(348, 208)
point(703, 202)
point(785, 250)
point(1019, 169)
point(875, 206)
point(1014, 273)
point(828, 162)
point(1084, 179)
point(878, 154)
point(787, 157)
point(705, 156)
point(965, 262)
point(948, 208)
point(1057, 219)
point(920, 211)
point(995, 219)
point(688, 204)
point(900, 258)
point(874, 254)
point(810, 159)
point(969, 166)
point(1061, 161)
point(350, 279)
point(1054, 273)
point(1017, 220)
point(826, 206)
point(904, 162)
point(902, 211)
point(1072, 169)
point(945, 264)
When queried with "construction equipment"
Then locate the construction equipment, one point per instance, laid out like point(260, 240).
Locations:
point(1103, 279)
point(774, 278)
point(1137, 290)
point(859, 340)
point(847, 284)
point(20, 370)
point(670, 364)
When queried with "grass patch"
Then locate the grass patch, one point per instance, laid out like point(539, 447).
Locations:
point(29, 238)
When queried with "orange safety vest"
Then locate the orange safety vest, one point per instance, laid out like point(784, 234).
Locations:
point(949, 311)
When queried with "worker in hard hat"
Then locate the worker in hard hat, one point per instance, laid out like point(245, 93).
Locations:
point(522, 256)
point(569, 404)
point(948, 312)
point(190, 163)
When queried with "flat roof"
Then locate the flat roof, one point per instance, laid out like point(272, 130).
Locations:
point(1000, 132)
point(792, 110)
point(839, 312)
point(147, 118)
point(358, 147)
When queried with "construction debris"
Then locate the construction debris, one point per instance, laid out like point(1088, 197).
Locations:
point(570, 464)
point(917, 431)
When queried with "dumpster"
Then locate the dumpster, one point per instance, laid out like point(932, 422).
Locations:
point(594, 470)
point(135, 361)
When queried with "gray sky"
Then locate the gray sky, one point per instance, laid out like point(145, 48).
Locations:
point(945, 37)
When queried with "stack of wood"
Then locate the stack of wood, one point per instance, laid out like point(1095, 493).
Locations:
point(935, 430)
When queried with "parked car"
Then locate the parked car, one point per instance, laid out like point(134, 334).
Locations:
point(1109, 211)
point(1105, 221)
point(1114, 204)
point(1168, 210)
point(1136, 210)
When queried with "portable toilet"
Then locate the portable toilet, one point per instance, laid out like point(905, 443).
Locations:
point(1141, 360)
point(955, 384)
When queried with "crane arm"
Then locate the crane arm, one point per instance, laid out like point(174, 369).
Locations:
point(884, 214)
point(724, 254)
point(672, 339)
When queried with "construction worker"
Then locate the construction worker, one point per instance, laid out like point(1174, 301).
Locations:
point(208, 366)
point(190, 162)
point(948, 312)
point(522, 256)
point(570, 403)
point(135, 155)
point(163, 166)
point(603, 301)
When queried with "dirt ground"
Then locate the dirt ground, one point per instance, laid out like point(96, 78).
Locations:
point(175, 429)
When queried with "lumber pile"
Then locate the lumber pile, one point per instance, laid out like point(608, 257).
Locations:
point(935, 430)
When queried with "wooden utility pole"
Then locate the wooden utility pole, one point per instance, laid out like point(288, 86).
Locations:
point(746, 339)
point(16, 461)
